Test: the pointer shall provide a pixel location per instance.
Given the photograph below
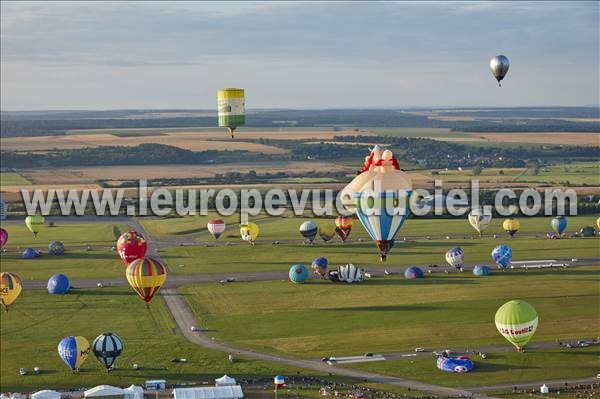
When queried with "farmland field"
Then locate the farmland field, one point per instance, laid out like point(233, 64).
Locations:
point(12, 179)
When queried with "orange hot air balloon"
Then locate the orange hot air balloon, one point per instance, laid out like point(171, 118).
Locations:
point(146, 276)
point(343, 226)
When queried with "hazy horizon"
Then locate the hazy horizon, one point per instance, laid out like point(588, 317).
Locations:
point(156, 55)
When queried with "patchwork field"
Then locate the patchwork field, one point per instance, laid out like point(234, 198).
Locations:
point(12, 179)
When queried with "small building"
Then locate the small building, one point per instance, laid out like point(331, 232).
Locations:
point(225, 381)
point(155, 385)
point(227, 392)
point(106, 392)
point(46, 394)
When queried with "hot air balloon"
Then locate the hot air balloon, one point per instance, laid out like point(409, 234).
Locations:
point(131, 246)
point(587, 231)
point(456, 257)
point(347, 274)
point(56, 248)
point(326, 232)
point(499, 66)
point(3, 237)
point(413, 272)
point(30, 253)
point(10, 288)
point(231, 108)
point(511, 226)
point(382, 213)
point(107, 347)
point(146, 276)
point(319, 266)
point(34, 223)
point(343, 226)
point(73, 351)
point(58, 284)
point(298, 273)
point(598, 223)
point(249, 232)
point(460, 364)
point(216, 227)
point(279, 381)
point(481, 270)
point(559, 224)
point(502, 255)
point(309, 231)
point(480, 219)
point(517, 321)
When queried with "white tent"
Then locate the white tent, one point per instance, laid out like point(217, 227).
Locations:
point(225, 381)
point(231, 392)
point(46, 394)
point(134, 392)
point(104, 391)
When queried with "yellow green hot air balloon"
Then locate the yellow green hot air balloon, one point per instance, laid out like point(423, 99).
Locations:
point(326, 231)
point(231, 108)
point(517, 321)
point(10, 288)
point(34, 223)
point(249, 232)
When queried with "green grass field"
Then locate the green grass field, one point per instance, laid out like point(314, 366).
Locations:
point(12, 179)
point(390, 314)
point(32, 329)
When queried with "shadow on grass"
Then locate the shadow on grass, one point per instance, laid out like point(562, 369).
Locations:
point(415, 282)
point(481, 367)
point(385, 308)
point(98, 292)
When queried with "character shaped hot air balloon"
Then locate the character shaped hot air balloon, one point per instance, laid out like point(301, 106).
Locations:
point(460, 364)
point(319, 266)
point(3, 237)
point(309, 231)
point(73, 351)
point(499, 66)
point(249, 232)
point(456, 257)
point(216, 227)
point(298, 273)
point(34, 223)
point(481, 270)
point(517, 321)
point(559, 225)
point(502, 255)
point(511, 226)
point(231, 108)
point(343, 226)
point(413, 272)
point(380, 192)
point(131, 246)
point(107, 347)
point(347, 274)
point(56, 248)
point(326, 232)
point(146, 276)
point(10, 288)
point(58, 284)
point(480, 219)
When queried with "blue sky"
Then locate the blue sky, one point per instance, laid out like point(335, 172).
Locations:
point(110, 55)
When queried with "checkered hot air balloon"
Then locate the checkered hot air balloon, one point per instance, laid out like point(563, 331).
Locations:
point(380, 195)
point(131, 246)
point(146, 276)
point(216, 227)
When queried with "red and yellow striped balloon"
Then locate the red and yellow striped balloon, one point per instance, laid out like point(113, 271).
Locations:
point(146, 276)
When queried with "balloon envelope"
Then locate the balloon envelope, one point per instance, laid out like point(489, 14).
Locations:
point(34, 223)
point(3, 237)
point(559, 224)
point(30, 253)
point(349, 274)
point(502, 255)
point(499, 66)
point(73, 351)
point(517, 321)
point(249, 232)
point(216, 227)
point(107, 347)
point(309, 230)
point(511, 226)
point(326, 232)
point(298, 273)
point(131, 246)
point(588, 231)
point(10, 289)
point(146, 276)
point(231, 107)
point(456, 257)
point(343, 226)
point(319, 266)
point(58, 284)
point(413, 273)
point(56, 248)
point(480, 219)
point(481, 270)
point(461, 364)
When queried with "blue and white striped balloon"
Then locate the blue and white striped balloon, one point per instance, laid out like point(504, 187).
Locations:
point(502, 255)
point(456, 257)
